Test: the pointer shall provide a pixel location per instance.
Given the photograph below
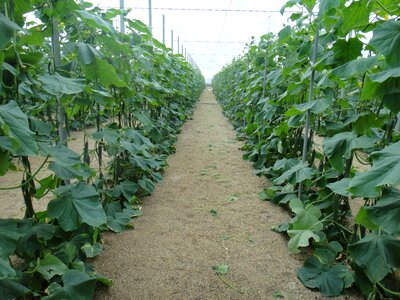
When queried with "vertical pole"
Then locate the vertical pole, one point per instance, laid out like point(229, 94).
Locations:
point(182, 49)
point(172, 40)
point(122, 17)
point(150, 17)
point(185, 54)
point(265, 70)
point(178, 46)
point(163, 29)
point(310, 98)
point(56, 51)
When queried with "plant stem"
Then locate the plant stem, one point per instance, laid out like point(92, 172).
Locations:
point(387, 290)
point(26, 181)
point(28, 188)
point(265, 70)
point(229, 284)
point(310, 97)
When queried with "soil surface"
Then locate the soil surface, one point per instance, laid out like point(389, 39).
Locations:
point(206, 212)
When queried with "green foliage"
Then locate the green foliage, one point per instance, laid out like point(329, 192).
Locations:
point(132, 83)
point(386, 40)
point(323, 272)
point(376, 254)
point(221, 269)
point(349, 118)
point(75, 205)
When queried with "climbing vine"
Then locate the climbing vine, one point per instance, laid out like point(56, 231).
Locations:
point(318, 107)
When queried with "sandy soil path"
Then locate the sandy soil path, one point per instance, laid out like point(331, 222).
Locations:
point(206, 212)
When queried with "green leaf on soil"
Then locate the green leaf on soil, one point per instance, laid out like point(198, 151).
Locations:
point(221, 269)
point(213, 212)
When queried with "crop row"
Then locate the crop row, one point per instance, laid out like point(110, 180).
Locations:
point(64, 67)
point(333, 76)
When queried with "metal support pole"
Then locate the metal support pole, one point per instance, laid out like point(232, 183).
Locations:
point(122, 17)
point(150, 17)
point(163, 29)
point(172, 40)
point(178, 45)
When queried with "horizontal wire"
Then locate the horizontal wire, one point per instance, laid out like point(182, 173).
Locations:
point(207, 9)
point(216, 42)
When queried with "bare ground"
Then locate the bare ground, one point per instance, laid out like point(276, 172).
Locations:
point(206, 212)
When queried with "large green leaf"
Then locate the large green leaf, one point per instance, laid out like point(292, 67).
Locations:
point(77, 204)
point(339, 147)
point(306, 216)
point(296, 174)
point(386, 40)
point(92, 250)
point(61, 154)
point(15, 126)
point(9, 237)
point(301, 238)
point(139, 26)
point(327, 6)
point(386, 212)
point(96, 21)
point(355, 15)
point(126, 188)
point(34, 236)
point(76, 285)
point(87, 53)
point(355, 67)
point(304, 226)
point(6, 270)
point(315, 106)
point(340, 187)
point(58, 85)
point(7, 29)
point(330, 279)
point(104, 72)
point(118, 218)
point(363, 219)
point(385, 171)
point(11, 290)
point(49, 266)
point(392, 101)
point(347, 50)
point(376, 254)
point(79, 171)
point(385, 75)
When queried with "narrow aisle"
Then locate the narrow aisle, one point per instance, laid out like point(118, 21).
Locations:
point(206, 212)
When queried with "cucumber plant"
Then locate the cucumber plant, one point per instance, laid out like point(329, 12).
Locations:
point(331, 76)
point(67, 68)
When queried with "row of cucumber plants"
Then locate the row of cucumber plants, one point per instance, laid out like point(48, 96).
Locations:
point(313, 104)
point(64, 67)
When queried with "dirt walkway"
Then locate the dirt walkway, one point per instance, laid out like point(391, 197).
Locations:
point(206, 212)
